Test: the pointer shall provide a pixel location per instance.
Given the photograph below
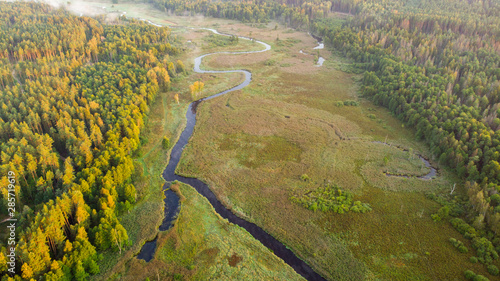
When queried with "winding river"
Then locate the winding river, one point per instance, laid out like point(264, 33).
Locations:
point(169, 175)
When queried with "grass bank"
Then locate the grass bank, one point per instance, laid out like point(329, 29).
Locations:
point(203, 246)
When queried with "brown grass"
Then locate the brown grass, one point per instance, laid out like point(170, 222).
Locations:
point(234, 260)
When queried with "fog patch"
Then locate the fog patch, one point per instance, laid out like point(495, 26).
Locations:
point(79, 8)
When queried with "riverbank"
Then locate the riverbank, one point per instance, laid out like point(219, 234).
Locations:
point(201, 245)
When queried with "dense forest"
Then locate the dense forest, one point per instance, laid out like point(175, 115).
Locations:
point(74, 95)
point(434, 64)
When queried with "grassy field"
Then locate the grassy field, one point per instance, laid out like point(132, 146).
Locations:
point(253, 148)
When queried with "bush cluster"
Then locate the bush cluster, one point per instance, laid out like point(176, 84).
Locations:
point(220, 41)
point(485, 250)
point(464, 228)
point(331, 198)
point(347, 103)
point(442, 213)
point(470, 275)
point(459, 245)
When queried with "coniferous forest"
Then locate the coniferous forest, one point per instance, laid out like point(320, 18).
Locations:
point(76, 92)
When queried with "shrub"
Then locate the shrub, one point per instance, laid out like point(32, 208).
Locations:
point(165, 143)
point(435, 217)
point(473, 260)
point(305, 177)
point(493, 270)
point(469, 274)
point(313, 207)
point(269, 62)
point(340, 104)
point(480, 278)
point(351, 103)
point(386, 161)
point(330, 198)
point(463, 249)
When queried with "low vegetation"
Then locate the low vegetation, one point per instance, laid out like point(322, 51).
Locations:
point(459, 245)
point(347, 103)
point(330, 198)
point(234, 148)
point(213, 40)
point(202, 245)
point(420, 62)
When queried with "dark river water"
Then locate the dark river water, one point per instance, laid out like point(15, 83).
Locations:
point(172, 201)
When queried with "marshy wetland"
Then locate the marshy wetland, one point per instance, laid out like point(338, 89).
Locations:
point(294, 129)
